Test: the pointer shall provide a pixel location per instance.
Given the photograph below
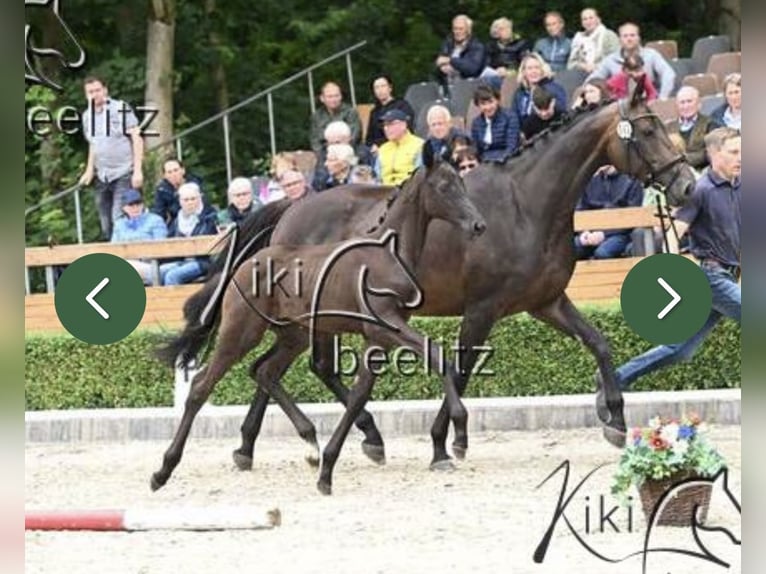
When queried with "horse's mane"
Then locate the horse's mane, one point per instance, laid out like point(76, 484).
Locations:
point(395, 193)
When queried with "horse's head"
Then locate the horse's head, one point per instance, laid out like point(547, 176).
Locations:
point(639, 145)
point(443, 195)
point(413, 298)
point(70, 55)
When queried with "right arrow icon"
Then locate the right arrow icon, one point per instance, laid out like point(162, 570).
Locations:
point(676, 298)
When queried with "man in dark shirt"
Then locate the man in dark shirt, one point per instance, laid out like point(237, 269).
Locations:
point(713, 219)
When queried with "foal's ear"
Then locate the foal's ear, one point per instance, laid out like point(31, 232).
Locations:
point(429, 158)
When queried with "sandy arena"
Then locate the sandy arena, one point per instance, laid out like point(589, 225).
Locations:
point(487, 516)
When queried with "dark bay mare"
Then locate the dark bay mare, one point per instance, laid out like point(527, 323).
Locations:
point(523, 262)
point(361, 285)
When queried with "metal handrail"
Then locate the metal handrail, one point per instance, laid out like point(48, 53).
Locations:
point(223, 115)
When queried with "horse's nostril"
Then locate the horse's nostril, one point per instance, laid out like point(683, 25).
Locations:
point(479, 227)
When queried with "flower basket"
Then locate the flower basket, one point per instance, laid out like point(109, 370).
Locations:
point(680, 506)
point(660, 456)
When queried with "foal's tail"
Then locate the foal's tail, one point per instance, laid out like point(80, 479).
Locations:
point(202, 309)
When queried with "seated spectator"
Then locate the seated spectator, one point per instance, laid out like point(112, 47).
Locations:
point(535, 72)
point(495, 131)
point(692, 126)
point(333, 108)
point(363, 174)
point(461, 55)
point(504, 52)
point(632, 69)
point(193, 219)
point(441, 132)
point(138, 224)
point(594, 91)
point(607, 189)
point(294, 184)
point(459, 143)
point(555, 47)
point(383, 91)
point(402, 152)
point(544, 113)
point(466, 159)
point(729, 114)
point(660, 73)
point(242, 203)
point(339, 132)
point(337, 167)
point(592, 44)
point(273, 191)
point(166, 203)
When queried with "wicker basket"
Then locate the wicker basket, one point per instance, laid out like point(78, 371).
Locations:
point(680, 506)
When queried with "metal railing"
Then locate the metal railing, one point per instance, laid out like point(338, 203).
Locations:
point(223, 116)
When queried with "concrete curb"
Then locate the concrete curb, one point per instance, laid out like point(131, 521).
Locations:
point(721, 406)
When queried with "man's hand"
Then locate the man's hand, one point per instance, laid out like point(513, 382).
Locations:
point(137, 180)
point(442, 61)
point(86, 177)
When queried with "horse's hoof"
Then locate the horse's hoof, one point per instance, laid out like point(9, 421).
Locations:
point(459, 451)
point(324, 487)
point(311, 456)
point(444, 465)
point(375, 452)
point(614, 436)
point(242, 461)
point(156, 482)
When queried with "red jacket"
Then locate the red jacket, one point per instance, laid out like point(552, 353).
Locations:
point(618, 86)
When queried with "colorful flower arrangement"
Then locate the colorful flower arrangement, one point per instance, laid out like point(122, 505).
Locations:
point(665, 448)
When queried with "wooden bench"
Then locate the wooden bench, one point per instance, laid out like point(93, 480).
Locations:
point(592, 282)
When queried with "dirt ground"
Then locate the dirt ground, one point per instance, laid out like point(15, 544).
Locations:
point(486, 516)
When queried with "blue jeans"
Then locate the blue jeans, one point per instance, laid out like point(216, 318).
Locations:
point(727, 302)
point(611, 247)
point(109, 202)
point(180, 272)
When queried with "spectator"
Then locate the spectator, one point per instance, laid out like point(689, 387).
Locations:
point(594, 91)
point(495, 131)
point(729, 114)
point(115, 151)
point(592, 44)
point(466, 159)
point(656, 67)
point(339, 132)
point(535, 72)
point(294, 184)
point(459, 143)
point(193, 219)
point(273, 191)
point(712, 216)
point(555, 47)
point(632, 69)
point(383, 91)
point(692, 126)
point(337, 167)
point(544, 113)
point(242, 202)
point(137, 224)
point(402, 152)
point(166, 203)
point(504, 52)
point(461, 55)
point(441, 132)
point(607, 189)
point(332, 109)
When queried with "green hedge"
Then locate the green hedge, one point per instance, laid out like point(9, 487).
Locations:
point(529, 358)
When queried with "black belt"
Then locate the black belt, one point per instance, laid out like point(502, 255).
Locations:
point(715, 264)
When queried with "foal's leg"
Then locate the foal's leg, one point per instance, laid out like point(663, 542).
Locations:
point(236, 337)
point(323, 363)
point(474, 330)
point(563, 315)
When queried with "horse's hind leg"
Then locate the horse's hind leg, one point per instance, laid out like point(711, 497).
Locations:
point(563, 315)
point(237, 335)
point(323, 364)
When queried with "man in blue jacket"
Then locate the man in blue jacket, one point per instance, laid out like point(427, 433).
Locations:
point(166, 203)
point(461, 55)
point(495, 131)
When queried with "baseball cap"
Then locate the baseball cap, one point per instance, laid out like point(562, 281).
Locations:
point(393, 115)
point(132, 196)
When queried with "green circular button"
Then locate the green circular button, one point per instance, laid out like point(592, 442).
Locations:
point(666, 298)
point(100, 298)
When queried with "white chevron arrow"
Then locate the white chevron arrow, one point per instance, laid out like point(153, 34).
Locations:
point(676, 298)
point(90, 298)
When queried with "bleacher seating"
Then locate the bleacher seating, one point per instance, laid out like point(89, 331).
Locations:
point(709, 103)
point(682, 67)
point(706, 84)
point(420, 94)
point(507, 89)
point(668, 48)
point(593, 281)
point(461, 94)
point(721, 65)
point(570, 80)
point(705, 47)
point(666, 109)
point(364, 111)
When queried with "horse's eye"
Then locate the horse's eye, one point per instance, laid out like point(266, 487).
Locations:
point(648, 132)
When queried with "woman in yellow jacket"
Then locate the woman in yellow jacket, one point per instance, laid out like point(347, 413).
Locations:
point(402, 153)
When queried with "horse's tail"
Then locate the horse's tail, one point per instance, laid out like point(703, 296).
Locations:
point(202, 309)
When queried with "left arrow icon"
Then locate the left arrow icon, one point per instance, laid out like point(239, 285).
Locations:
point(90, 298)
